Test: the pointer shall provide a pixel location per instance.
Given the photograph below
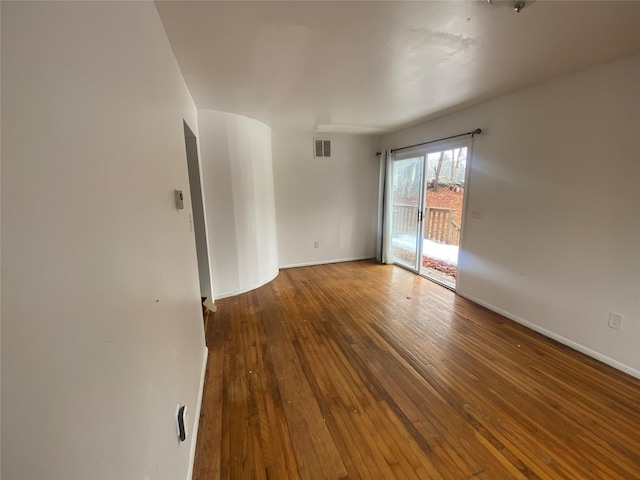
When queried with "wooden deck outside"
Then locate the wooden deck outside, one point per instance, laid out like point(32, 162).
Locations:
point(439, 225)
point(360, 370)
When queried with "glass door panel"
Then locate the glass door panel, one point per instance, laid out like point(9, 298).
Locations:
point(407, 200)
point(443, 203)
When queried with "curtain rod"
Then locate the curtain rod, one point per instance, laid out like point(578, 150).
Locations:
point(477, 131)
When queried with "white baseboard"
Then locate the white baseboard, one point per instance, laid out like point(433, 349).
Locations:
point(326, 262)
point(196, 420)
point(558, 338)
point(233, 293)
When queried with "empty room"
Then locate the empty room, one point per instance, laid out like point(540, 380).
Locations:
point(320, 239)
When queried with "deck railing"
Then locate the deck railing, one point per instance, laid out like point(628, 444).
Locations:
point(440, 226)
point(455, 233)
point(405, 219)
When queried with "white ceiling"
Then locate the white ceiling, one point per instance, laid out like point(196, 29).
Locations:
point(374, 66)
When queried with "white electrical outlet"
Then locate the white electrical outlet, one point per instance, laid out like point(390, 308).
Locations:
point(615, 321)
point(316, 244)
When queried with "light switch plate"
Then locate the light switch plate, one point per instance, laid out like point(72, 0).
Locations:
point(179, 198)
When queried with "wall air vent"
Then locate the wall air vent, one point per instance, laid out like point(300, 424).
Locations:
point(321, 148)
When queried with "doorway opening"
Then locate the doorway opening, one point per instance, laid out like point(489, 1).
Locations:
point(197, 206)
point(428, 201)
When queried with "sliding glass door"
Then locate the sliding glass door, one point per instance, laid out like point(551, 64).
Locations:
point(407, 212)
point(428, 199)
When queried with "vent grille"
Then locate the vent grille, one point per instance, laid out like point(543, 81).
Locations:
point(322, 148)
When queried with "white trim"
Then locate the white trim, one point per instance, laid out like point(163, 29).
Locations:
point(464, 221)
point(381, 172)
point(233, 293)
point(325, 262)
point(196, 420)
point(558, 338)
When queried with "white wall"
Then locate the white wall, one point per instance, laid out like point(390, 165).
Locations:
point(101, 326)
point(0, 261)
point(330, 200)
point(556, 174)
point(237, 181)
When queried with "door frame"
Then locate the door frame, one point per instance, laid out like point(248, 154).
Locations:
point(198, 214)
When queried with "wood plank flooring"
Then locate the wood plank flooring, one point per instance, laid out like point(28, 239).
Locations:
point(366, 371)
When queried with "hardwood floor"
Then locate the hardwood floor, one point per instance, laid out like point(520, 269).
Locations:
point(360, 370)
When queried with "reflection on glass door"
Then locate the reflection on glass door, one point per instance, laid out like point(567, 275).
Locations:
point(443, 204)
point(406, 216)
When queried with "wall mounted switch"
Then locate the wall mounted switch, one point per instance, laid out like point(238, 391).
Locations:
point(179, 198)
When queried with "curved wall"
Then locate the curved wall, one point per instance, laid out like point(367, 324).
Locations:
point(237, 181)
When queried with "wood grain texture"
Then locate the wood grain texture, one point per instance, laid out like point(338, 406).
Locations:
point(366, 371)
